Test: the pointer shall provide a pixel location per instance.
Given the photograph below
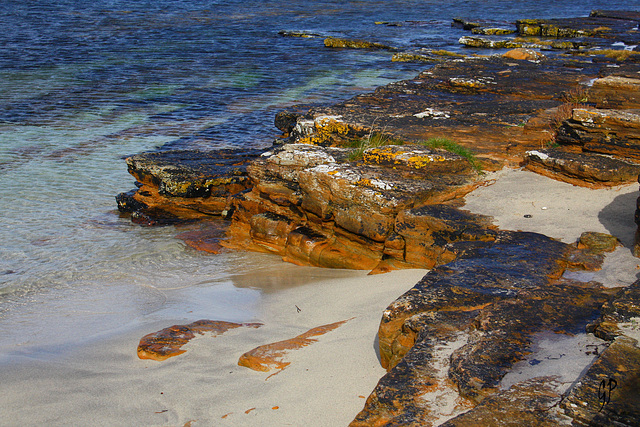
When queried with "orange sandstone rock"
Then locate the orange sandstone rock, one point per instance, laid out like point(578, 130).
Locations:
point(271, 356)
point(168, 342)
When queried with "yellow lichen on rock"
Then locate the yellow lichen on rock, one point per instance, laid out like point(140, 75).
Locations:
point(328, 130)
point(421, 161)
point(412, 159)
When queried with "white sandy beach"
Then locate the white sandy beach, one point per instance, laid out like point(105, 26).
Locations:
point(103, 382)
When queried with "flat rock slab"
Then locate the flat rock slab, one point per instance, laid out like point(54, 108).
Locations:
point(608, 393)
point(582, 168)
point(175, 186)
point(530, 403)
point(168, 342)
point(492, 300)
point(486, 104)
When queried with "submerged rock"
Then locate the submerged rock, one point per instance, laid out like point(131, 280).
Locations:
point(354, 44)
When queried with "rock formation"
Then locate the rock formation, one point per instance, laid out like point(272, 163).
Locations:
point(168, 342)
point(271, 356)
point(369, 183)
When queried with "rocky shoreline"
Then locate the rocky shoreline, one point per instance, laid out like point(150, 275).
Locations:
point(377, 183)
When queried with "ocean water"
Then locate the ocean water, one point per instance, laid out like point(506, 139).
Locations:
point(83, 84)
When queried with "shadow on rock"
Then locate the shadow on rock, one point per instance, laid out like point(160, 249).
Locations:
point(618, 218)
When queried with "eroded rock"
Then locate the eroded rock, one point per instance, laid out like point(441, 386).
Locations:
point(497, 294)
point(168, 342)
point(313, 206)
point(272, 356)
point(180, 185)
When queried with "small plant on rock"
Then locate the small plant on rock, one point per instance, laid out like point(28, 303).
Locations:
point(374, 139)
point(453, 147)
point(574, 98)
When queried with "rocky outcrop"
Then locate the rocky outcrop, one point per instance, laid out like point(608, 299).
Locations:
point(168, 342)
point(581, 168)
point(313, 206)
point(600, 144)
point(174, 186)
point(329, 196)
point(492, 300)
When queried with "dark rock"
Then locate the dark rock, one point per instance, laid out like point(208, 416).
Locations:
point(191, 174)
point(621, 308)
point(286, 121)
point(582, 168)
point(178, 186)
point(499, 293)
point(627, 15)
point(303, 34)
point(530, 403)
point(607, 394)
point(503, 333)
point(127, 203)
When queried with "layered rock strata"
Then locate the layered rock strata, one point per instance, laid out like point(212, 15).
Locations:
point(598, 144)
point(313, 206)
point(174, 186)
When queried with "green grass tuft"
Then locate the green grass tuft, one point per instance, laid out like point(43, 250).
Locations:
point(453, 147)
point(373, 140)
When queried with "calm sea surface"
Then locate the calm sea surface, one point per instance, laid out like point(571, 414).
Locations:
point(85, 83)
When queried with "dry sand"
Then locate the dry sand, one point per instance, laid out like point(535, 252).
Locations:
point(104, 383)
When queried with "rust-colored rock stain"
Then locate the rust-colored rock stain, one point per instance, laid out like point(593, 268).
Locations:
point(168, 342)
point(271, 356)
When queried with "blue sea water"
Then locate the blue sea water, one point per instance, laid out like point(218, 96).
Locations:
point(85, 83)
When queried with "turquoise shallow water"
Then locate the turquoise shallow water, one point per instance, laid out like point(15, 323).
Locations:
point(85, 83)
